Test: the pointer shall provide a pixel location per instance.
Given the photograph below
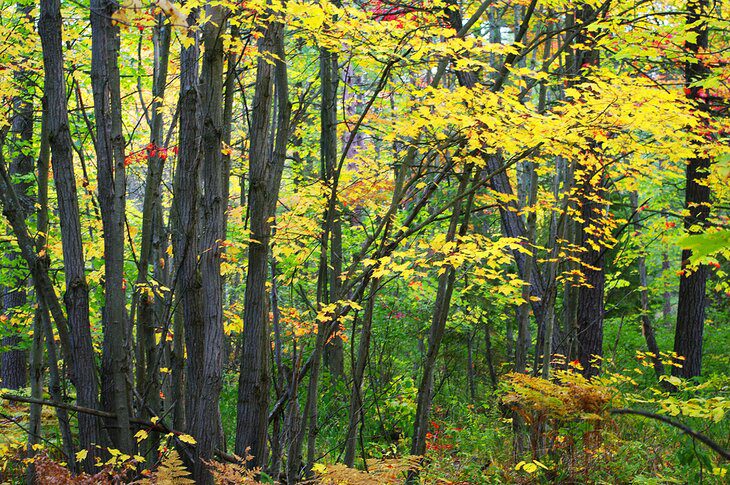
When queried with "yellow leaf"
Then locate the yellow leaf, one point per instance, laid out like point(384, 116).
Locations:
point(319, 468)
point(186, 438)
point(81, 455)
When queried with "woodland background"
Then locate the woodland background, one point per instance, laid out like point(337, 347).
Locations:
point(364, 241)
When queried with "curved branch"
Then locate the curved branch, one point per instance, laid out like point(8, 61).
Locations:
point(685, 429)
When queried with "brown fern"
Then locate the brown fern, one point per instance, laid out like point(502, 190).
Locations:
point(171, 471)
point(379, 472)
point(232, 473)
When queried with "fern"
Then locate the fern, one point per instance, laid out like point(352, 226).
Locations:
point(379, 472)
point(171, 471)
point(232, 473)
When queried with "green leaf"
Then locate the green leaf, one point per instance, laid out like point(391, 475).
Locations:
point(705, 244)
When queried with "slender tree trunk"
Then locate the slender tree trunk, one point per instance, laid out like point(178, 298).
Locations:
point(185, 230)
point(277, 435)
point(693, 281)
point(311, 408)
point(13, 372)
point(558, 225)
point(438, 324)
point(112, 200)
point(329, 78)
point(36, 390)
point(470, 366)
point(148, 382)
point(77, 291)
point(647, 329)
point(488, 356)
point(265, 170)
point(293, 426)
point(204, 415)
point(356, 398)
point(666, 295)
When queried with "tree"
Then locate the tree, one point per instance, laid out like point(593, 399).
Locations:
point(266, 164)
point(693, 281)
point(112, 198)
point(77, 293)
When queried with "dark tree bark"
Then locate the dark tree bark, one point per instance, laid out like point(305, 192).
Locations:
point(184, 215)
point(438, 321)
point(204, 415)
point(148, 382)
point(265, 171)
point(590, 293)
point(15, 360)
point(590, 303)
point(356, 400)
point(693, 281)
point(329, 78)
point(112, 198)
point(77, 291)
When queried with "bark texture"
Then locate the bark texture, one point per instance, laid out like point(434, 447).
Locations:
point(112, 199)
point(266, 164)
point(693, 281)
point(204, 415)
point(77, 291)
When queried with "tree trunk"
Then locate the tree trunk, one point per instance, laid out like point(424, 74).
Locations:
point(265, 170)
point(14, 361)
point(204, 414)
point(112, 199)
point(329, 78)
point(77, 291)
point(148, 382)
point(590, 293)
point(438, 323)
point(693, 281)
point(185, 229)
point(356, 401)
point(647, 329)
point(590, 311)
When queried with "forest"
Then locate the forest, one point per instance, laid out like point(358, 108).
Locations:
point(364, 241)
